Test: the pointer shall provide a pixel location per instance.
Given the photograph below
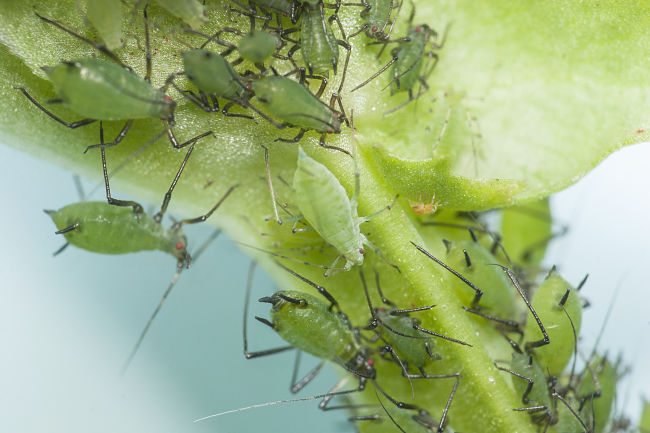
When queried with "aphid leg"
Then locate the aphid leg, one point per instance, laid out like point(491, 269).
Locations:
point(247, 354)
point(120, 136)
point(93, 44)
point(202, 218)
point(228, 106)
point(172, 137)
point(297, 385)
point(389, 349)
point(147, 44)
point(323, 405)
point(379, 212)
point(529, 387)
point(168, 195)
point(572, 410)
point(381, 293)
point(443, 130)
point(60, 250)
point(294, 139)
point(345, 68)
point(71, 125)
point(377, 251)
point(478, 292)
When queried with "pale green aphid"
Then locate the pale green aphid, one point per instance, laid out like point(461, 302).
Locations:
point(598, 389)
point(190, 11)
point(106, 17)
point(112, 228)
point(257, 46)
point(376, 15)
point(325, 206)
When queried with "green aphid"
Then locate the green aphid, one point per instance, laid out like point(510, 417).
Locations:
point(294, 105)
point(407, 63)
point(325, 206)
point(257, 46)
point(493, 297)
point(527, 230)
point(318, 45)
point(111, 227)
point(644, 422)
point(377, 17)
point(597, 391)
point(101, 90)
point(405, 340)
point(106, 17)
point(560, 310)
point(190, 11)
point(287, 8)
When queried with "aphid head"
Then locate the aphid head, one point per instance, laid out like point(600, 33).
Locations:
point(168, 112)
point(179, 249)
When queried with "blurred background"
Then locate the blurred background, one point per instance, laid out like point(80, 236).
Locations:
point(67, 323)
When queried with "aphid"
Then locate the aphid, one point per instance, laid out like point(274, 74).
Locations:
point(325, 205)
point(294, 105)
point(215, 78)
point(408, 60)
point(422, 208)
point(190, 11)
point(318, 45)
point(377, 17)
point(101, 90)
point(403, 336)
point(255, 47)
point(110, 228)
point(497, 302)
point(106, 17)
point(321, 329)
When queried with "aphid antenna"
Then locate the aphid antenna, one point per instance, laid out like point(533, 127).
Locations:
point(276, 402)
point(179, 268)
point(388, 413)
point(322, 290)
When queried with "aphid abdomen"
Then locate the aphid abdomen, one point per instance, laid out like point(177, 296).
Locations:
point(290, 102)
point(325, 205)
point(320, 50)
point(313, 328)
point(99, 89)
point(190, 11)
point(406, 70)
point(108, 229)
point(282, 6)
point(212, 74)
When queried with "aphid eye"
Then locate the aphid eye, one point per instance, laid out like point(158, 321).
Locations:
point(371, 362)
point(362, 251)
point(249, 86)
point(180, 246)
point(418, 29)
point(329, 131)
point(167, 98)
point(374, 29)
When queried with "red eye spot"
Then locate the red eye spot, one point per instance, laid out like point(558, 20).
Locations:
point(374, 28)
point(329, 131)
point(371, 362)
point(249, 86)
point(418, 29)
point(362, 251)
point(167, 98)
point(383, 310)
point(180, 246)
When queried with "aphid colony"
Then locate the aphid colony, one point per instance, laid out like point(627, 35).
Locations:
point(533, 324)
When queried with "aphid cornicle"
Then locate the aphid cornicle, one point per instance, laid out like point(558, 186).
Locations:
point(324, 204)
point(102, 90)
point(111, 228)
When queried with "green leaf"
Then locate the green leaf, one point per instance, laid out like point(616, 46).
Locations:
point(530, 96)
